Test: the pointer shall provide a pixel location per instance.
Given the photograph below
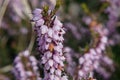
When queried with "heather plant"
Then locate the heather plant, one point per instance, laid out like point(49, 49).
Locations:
point(50, 38)
point(59, 40)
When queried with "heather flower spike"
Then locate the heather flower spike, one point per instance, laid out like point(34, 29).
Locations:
point(91, 60)
point(25, 67)
point(50, 38)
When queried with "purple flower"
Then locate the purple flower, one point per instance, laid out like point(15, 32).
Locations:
point(91, 60)
point(25, 67)
point(50, 39)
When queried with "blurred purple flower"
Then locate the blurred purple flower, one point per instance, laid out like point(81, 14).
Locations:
point(91, 60)
point(25, 67)
point(71, 64)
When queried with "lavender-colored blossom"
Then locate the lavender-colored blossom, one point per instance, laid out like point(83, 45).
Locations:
point(25, 67)
point(89, 77)
point(3, 77)
point(74, 30)
point(91, 60)
point(71, 64)
point(50, 39)
point(17, 7)
point(105, 61)
point(113, 11)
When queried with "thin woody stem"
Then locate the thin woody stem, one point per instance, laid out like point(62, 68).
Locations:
point(3, 9)
point(31, 44)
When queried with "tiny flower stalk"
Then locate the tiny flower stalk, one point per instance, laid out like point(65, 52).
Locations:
point(25, 67)
point(50, 38)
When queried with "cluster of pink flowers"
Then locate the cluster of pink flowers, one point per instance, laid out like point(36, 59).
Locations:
point(105, 61)
point(71, 64)
point(91, 60)
point(113, 11)
point(113, 14)
point(50, 39)
point(25, 67)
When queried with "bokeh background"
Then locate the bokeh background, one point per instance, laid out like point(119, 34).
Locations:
point(16, 29)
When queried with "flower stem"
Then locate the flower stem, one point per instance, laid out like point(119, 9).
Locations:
point(6, 69)
point(3, 9)
point(31, 41)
